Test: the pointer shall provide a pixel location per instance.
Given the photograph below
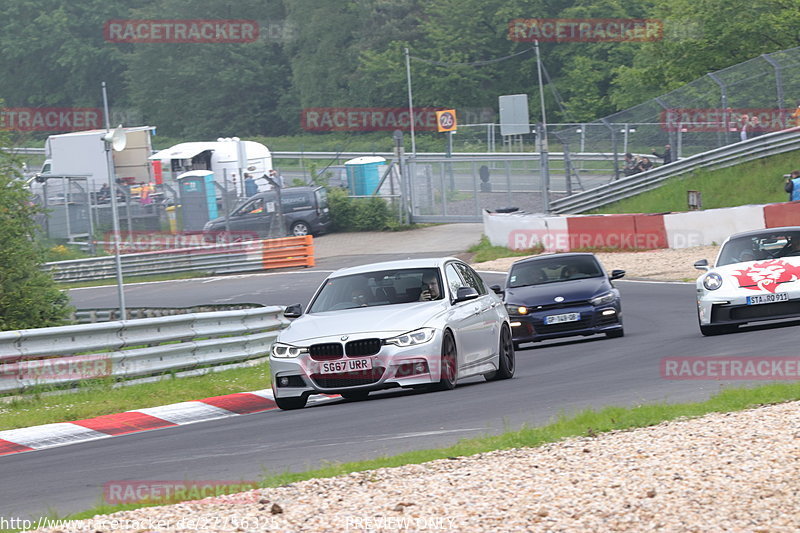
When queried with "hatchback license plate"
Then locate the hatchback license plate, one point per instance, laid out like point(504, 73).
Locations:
point(347, 365)
point(768, 298)
point(558, 319)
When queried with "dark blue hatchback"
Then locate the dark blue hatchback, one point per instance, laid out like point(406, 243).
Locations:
point(561, 295)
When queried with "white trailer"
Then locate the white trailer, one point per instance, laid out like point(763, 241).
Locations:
point(228, 159)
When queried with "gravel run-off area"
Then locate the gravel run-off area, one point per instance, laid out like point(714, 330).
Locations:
point(721, 472)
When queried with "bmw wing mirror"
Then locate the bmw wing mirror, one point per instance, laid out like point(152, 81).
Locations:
point(702, 264)
point(616, 274)
point(497, 289)
point(293, 311)
point(465, 293)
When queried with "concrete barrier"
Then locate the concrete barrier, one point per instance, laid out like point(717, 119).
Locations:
point(521, 231)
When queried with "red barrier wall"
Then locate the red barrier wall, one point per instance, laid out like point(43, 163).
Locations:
point(650, 231)
point(623, 232)
point(777, 215)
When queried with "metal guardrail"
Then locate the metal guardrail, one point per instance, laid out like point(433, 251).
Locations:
point(214, 259)
point(421, 156)
point(93, 316)
point(455, 157)
point(733, 154)
point(67, 355)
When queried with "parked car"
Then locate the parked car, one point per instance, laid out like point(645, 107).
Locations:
point(561, 295)
point(756, 277)
point(418, 323)
point(305, 212)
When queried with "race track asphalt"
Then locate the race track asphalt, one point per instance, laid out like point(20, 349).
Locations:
point(552, 378)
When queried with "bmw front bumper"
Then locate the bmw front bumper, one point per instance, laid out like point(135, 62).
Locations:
point(393, 366)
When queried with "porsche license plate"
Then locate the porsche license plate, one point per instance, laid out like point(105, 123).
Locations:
point(558, 319)
point(768, 298)
point(346, 365)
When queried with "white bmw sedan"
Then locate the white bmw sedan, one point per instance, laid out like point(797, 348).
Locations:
point(756, 277)
point(417, 323)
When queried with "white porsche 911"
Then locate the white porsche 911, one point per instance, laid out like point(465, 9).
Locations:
point(756, 277)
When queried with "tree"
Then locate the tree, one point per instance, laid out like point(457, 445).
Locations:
point(702, 37)
point(208, 90)
point(52, 52)
point(29, 298)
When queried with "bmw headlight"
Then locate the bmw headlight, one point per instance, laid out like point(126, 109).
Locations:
point(517, 309)
point(603, 299)
point(287, 351)
point(712, 281)
point(418, 336)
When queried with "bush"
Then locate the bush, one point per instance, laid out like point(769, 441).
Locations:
point(358, 214)
point(29, 298)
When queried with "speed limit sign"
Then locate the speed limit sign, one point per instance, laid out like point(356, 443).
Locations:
point(446, 120)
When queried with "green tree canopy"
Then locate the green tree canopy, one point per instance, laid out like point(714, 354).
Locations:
point(29, 298)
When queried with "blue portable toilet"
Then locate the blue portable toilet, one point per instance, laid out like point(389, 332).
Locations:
point(198, 198)
point(364, 174)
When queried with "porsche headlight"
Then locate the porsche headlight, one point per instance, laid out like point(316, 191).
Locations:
point(712, 281)
point(603, 299)
point(517, 309)
point(287, 351)
point(412, 338)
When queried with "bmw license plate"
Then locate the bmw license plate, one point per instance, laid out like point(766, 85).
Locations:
point(558, 319)
point(768, 298)
point(346, 365)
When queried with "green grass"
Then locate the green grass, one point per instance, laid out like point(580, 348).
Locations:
point(585, 423)
point(486, 251)
point(99, 398)
point(754, 182)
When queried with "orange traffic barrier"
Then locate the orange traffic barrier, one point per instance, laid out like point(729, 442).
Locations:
point(287, 252)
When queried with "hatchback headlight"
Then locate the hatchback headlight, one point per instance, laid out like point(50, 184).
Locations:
point(286, 351)
point(603, 299)
point(517, 309)
point(712, 281)
point(418, 336)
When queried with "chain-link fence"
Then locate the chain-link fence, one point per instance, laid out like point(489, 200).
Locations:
point(756, 96)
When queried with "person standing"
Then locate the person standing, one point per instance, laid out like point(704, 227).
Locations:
point(796, 116)
point(666, 156)
point(631, 165)
point(250, 187)
point(793, 186)
point(744, 124)
point(275, 175)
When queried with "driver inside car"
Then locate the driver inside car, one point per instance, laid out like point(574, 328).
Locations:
point(430, 288)
point(792, 248)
